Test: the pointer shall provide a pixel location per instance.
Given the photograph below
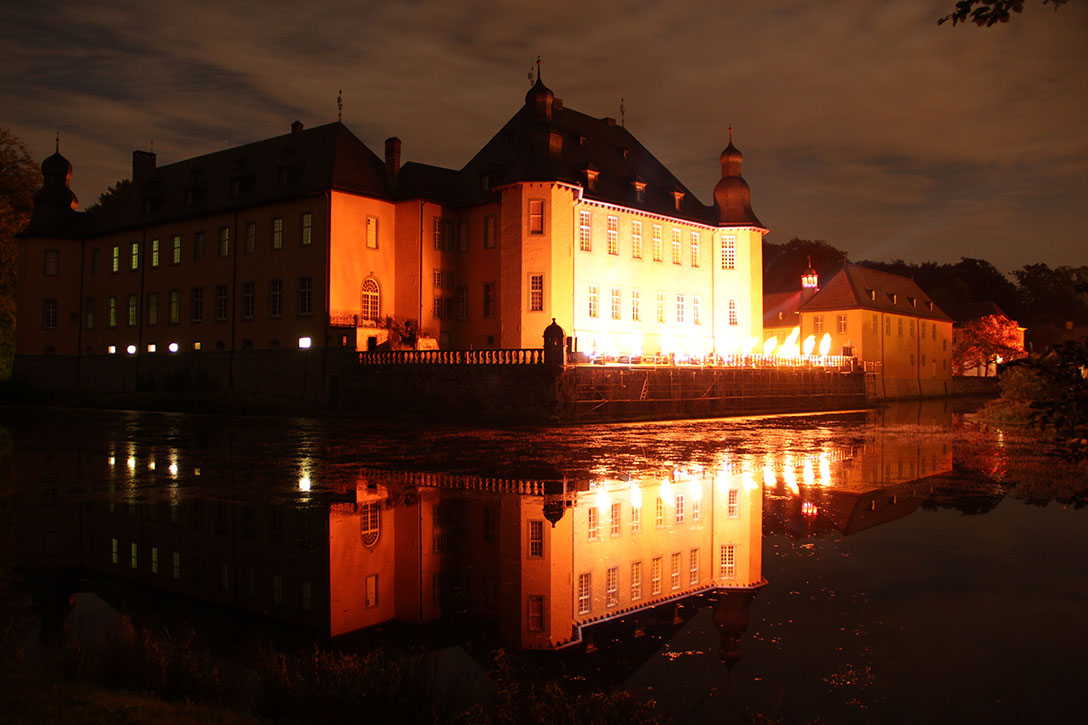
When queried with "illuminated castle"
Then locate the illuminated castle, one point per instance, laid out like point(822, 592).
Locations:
point(311, 241)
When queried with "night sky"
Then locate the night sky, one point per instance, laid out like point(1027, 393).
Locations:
point(862, 122)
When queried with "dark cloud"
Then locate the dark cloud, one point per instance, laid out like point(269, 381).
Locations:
point(862, 123)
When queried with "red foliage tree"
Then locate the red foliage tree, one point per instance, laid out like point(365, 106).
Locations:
point(985, 341)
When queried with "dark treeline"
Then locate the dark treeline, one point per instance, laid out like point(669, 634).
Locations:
point(1042, 298)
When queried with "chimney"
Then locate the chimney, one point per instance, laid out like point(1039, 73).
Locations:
point(143, 167)
point(296, 126)
point(392, 160)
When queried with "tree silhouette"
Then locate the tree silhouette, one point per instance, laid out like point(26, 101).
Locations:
point(20, 177)
point(986, 13)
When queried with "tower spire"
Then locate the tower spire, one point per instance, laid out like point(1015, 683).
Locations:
point(58, 142)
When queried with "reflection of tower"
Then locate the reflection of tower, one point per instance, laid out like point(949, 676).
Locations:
point(732, 614)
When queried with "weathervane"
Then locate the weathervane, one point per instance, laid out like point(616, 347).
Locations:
point(340, 105)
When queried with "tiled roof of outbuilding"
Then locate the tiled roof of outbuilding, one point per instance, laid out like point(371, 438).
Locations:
point(857, 286)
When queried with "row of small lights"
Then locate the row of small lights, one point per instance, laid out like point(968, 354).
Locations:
point(304, 343)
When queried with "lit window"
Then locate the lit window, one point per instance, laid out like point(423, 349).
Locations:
point(636, 240)
point(674, 572)
point(659, 248)
point(695, 249)
point(594, 302)
point(655, 576)
point(729, 252)
point(372, 232)
point(135, 261)
point(818, 324)
point(536, 539)
point(111, 312)
point(636, 581)
point(636, 519)
point(251, 237)
point(616, 301)
point(536, 293)
point(536, 614)
point(115, 261)
point(676, 254)
point(660, 306)
point(613, 235)
point(370, 300)
point(175, 306)
point(728, 568)
point(277, 233)
point(612, 587)
point(680, 308)
point(371, 595)
point(584, 593)
point(696, 312)
point(593, 527)
point(112, 349)
point(152, 347)
point(175, 253)
point(90, 313)
point(585, 240)
point(133, 310)
point(659, 513)
point(840, 324)
point(307, 229)
point(693, 567)
point(733, 317)
point(636, 305)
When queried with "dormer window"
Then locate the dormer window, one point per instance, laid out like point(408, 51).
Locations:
point(640, 191)
point(189, 196)
point(678, 198)
point(581, 140)
point(591, 179)
point(913, 301)
point(872, 294)
point(626, 152)
point(485, 182)
point(895, 298)
point(235, 187)
point(929, 304)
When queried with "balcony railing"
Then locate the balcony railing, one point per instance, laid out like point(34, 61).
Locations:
point(452, 357)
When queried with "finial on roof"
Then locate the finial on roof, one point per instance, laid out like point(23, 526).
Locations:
point(621, 111)
point(340, 105)
point(730, 133)
point(538, 67)
point(58, 142)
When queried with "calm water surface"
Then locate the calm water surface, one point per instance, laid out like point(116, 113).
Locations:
point(905, 565)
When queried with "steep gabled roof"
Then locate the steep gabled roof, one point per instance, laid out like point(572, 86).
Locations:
point(966, 311)
point(296, 164)
point(857, 286)
point(784, 304)
point(564, 145)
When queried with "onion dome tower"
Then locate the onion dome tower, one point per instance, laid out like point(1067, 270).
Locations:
point(54, 204)
point(731, 194)
point(810, 282)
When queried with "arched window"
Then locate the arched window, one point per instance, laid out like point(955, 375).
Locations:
point(371, 300)
point(370, 523)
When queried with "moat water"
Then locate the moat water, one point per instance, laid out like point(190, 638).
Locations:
point(904, 565)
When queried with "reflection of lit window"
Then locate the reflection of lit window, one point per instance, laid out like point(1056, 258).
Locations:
point(154, 560)
point(113, 550)
point(536, 614)
point(636, 581)
point(680, 509)
point(729, 562)
point(636, 519)
point(536, 539)
point(177, 565)
point(674, 572)
point(659, 518)
point(696, 510)
point(594, 527)
point(613, 585)
point(733, 508)
point(655, 577)
point(134, 558)
point(615, 519)
point(371, 590)
point(370, 523)
point(583, 593)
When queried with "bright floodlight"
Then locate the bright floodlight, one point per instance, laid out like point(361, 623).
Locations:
point(768, 347)
point(304, 343)
point(825, 345)
point(810, 344)
point(131, 349)
point(173, 347)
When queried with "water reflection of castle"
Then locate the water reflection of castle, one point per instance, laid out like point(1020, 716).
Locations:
point(540, 561)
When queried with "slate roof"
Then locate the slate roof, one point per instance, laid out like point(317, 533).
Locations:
point(966, 311)
point(784, 302)
point(293, 165)
point(857, 286)
point(563, 147)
